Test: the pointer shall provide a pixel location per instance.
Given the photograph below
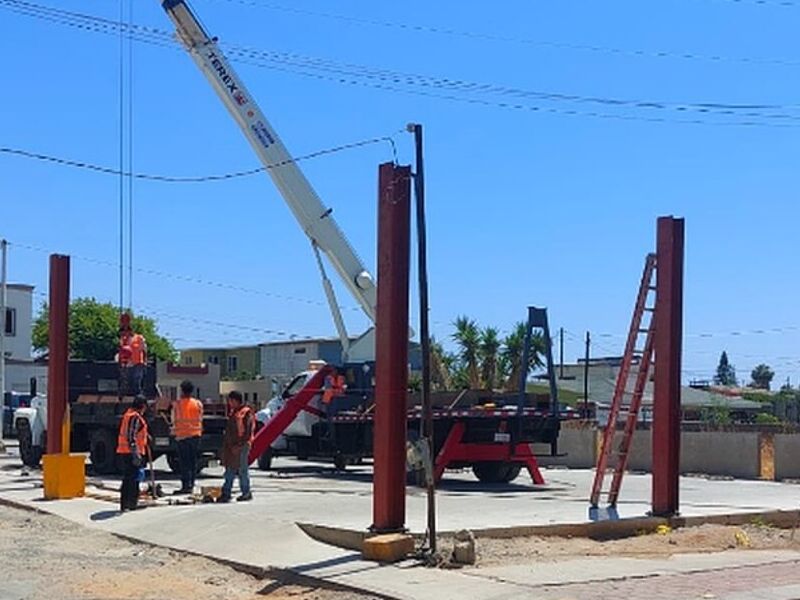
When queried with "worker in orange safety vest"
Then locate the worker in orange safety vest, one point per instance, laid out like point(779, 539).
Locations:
point(132, 449)
point(138, 362)
point(187, 427)
point(236, 444)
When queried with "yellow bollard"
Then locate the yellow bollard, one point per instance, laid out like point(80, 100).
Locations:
point(64, 473)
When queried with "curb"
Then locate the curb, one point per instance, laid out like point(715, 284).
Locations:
point(350, 539)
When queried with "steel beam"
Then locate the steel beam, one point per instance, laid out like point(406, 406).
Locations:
point(58, 355)
point(391, 349)
point(667, 375)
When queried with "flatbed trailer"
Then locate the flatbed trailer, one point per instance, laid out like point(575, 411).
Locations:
point(495, 441)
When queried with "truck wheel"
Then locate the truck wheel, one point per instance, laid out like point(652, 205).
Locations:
point(175, 464)
point(490, 472)
point(265, 460)
point(340, 462)
point(31, 455)
point(512, 472)
point(103, 452)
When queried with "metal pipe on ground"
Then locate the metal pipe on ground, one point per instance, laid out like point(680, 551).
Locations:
point(391, 349)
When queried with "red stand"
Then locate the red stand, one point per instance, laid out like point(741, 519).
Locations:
point(455, 451)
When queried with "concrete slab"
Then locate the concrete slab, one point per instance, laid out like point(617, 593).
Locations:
point(263, 533)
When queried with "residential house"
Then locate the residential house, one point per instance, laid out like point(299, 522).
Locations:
point(20, 365)
point(234, 362)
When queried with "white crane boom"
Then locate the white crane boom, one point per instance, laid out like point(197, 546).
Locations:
point(315, 219)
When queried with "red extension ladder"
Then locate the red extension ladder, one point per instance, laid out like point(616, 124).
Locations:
point(635, 369)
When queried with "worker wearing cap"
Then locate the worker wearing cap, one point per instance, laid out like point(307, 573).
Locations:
point(187, 427)
point(236, 447)
point(132, 448)
point(138, 362)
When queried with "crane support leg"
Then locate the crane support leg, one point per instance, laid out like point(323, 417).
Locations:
point(391, 348)
point(667, 382)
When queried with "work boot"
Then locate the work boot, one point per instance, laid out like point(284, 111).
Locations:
point(223, 499)
point(245, 497)
point(181, 492)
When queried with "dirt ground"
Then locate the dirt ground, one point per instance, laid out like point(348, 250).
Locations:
point(706, 538)
point(43, 557)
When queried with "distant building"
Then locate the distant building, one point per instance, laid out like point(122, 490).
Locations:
point(20, 365)
point(234, 362)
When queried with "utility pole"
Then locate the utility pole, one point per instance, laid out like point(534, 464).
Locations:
point(424, 333)
point(3, 301)
point(586, 377)
point(561, 353)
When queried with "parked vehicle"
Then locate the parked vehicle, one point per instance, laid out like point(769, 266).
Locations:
point(95, 412)
point(13, 401)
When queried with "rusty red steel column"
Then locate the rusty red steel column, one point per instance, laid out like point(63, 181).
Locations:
point(391, 348)
point(667, 377)
point(58, 354)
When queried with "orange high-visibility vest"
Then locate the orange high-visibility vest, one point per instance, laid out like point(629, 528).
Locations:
point(188, 418)
point(245, 419)
point(138, 350)
point(141, 436)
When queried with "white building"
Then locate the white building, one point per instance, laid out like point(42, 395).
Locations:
point(20, 367)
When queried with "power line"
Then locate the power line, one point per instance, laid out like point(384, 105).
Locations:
point(191, 179)
point(441, 88)
point(186, 278)
point(490, 37)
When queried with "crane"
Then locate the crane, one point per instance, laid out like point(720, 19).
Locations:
point(314, 218)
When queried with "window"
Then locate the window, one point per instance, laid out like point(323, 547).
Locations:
point(246, 397)
point(299, 350)
point(11, 322)
point(255, 397)
point(187, 360)
point(233, 364)
point(213, 360)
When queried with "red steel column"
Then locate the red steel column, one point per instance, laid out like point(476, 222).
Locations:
point(667, 385)
point(391, 349)
point(58, 361)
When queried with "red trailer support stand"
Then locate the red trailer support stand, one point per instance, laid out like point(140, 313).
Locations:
point(667, 378)
point(57, 363)
point(391, 349)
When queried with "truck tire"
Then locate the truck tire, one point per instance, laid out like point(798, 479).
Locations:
point(103, 452)
point(512, 472)
point(31, 455)
point(491, 471)
point(265, 460)
point(175, 464)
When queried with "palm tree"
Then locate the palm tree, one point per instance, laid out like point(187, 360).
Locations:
point(467, 336)
point(441, 365)
point(488, 351)
point(511, 355)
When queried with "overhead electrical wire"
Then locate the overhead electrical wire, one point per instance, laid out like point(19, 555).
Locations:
point(443, 88)
point(191, 179)
point(490, 37)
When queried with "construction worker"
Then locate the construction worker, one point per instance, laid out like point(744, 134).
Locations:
point(236, 447)
point(187, 427)
point(132, 448)
point(138, 362)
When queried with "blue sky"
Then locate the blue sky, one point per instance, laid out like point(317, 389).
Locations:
point(543, 204)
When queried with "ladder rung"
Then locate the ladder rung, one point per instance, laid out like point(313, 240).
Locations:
point(644, 330)
point(652, 287)
point(649, 309)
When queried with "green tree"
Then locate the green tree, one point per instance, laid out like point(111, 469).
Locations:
point(94, 331)
point(441, 366)
point(468, 337)
point(511, 355)
point(762, 377)
point(726, 372)
point(488, 351)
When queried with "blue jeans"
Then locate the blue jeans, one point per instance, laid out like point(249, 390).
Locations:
point(243, 472)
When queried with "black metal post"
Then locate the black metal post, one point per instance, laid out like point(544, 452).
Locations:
point(586, 378)
point(561, 352)
point(424, 330)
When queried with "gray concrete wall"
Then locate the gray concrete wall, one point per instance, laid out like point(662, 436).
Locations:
point(720, 453)
point(577, 444)
point(734, 454)
point(787, 456)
